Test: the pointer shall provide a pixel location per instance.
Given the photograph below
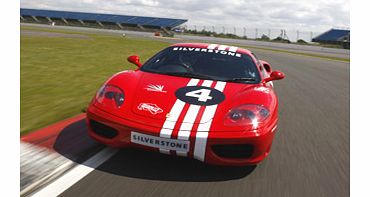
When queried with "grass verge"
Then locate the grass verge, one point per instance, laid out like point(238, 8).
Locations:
point(59, 76)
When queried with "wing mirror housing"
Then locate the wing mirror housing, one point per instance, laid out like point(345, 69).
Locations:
point(267, 66)
point(134, 59)
point(275, 75)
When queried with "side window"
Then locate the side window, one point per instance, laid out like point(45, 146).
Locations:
point(255, 56)
point(261, 68)
point(258, 61)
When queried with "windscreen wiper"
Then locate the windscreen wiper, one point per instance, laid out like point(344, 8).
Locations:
point(189, 74)
point(241, 79)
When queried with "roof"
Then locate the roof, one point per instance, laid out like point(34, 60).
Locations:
point(214, 47)
point(332, 35)
point(114, 18)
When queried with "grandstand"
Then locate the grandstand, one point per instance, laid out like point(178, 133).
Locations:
point(334, 36)
point(110, 21)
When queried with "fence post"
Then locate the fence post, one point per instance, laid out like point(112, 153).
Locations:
point(297, 35)
point(269, 33)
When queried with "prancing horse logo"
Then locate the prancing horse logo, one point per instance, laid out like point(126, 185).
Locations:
point(150, 107)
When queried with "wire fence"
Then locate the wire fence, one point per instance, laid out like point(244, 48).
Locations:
point(257, 33)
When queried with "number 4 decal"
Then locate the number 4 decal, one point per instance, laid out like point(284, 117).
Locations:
point(201, 94)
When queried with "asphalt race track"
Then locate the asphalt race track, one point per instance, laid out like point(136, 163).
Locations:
point(332, 52)
point(309, 156)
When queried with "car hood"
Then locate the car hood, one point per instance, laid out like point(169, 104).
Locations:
point(154, 99)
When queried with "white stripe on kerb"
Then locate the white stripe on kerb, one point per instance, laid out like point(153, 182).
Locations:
point(188, 122)
point(222, 47)
point(233, 49)
point(212, 46)
point(175, 112)
point(75, 174)
point(203, 129)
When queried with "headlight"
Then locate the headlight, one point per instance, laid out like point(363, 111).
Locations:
point(247, 115)
point(110, 96)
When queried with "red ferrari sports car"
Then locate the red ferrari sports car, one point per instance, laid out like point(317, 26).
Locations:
point(214, 103)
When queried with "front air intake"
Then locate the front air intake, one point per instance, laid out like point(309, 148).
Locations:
point(239, 151)
point(103, 130)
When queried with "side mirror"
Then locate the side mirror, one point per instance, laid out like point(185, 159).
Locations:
point(134, 59)
point(275, 75)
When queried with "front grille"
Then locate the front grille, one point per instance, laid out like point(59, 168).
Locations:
point(240, 151)
point(103, 130)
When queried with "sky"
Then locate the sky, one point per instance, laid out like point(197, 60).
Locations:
point(303, 15)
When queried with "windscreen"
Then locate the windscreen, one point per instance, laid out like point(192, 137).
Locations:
point(205, 64)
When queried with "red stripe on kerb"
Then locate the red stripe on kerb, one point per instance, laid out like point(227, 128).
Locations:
point(46, 136)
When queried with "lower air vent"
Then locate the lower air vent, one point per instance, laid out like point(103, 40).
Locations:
point(103, 130)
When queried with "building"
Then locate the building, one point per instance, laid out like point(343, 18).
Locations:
point(110, 21)
point(334, 36)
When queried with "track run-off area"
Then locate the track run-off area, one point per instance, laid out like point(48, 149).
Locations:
point(309, 156)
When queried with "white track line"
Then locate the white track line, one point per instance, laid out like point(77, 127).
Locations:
point(77, 173)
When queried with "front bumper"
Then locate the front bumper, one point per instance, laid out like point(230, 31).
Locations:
point(222, 148)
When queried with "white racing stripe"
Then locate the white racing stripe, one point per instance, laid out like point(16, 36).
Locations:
point(273, 129)
point(233, 49)
point(222, 47)
point(212, 46)
point(74, 175)
point(175, 112)
point(203, 129)
point(171, 121)
point(188, 122)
